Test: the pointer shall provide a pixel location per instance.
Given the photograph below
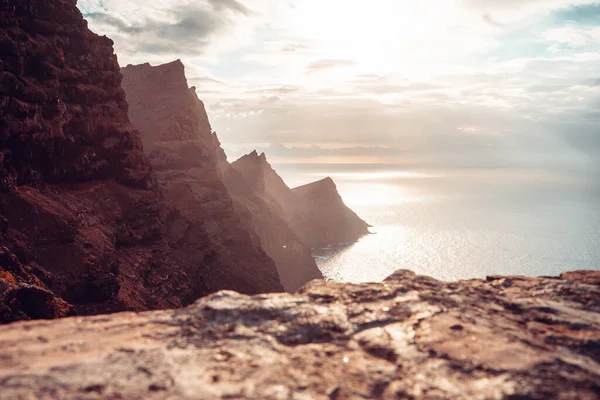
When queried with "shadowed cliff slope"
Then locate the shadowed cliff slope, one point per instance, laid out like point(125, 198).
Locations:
point(185, 153)
point(409, 337)
point(315, 212)
point(176, 130)
point(83, 227)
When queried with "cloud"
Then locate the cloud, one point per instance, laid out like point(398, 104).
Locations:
point(443, 79)
point(173, 28)
point(234, 5)
point(329, 63)
point(293, 47)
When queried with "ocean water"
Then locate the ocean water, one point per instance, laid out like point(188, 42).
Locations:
point(461, 223)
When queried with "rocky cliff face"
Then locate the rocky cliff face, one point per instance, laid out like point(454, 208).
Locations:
point(315, 212)
point(293, 258)
point(83, 228)
point(173, 122)
point(324, 218)
point(174, 126)
point(409, 337)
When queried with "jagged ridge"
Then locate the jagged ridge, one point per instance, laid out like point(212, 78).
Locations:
point(83, 227)
point(173, 122)
point(315, 212)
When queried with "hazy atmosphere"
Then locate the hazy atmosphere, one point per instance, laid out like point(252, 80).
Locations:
point(444, 82)
point(299, 199)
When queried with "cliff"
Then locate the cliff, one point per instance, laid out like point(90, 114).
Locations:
point(293, 258)
point(83, 227)
point(324, 218)
point(186, 154)
point(408, 337)
point(175, 128)
point(315, 212)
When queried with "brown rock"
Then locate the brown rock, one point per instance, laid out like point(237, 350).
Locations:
point(83, 227)
point(323, 217)
point(293, 258)
point(409, 337)
point(315, 212)
point(186, 154)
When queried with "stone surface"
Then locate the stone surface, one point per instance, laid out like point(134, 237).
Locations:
point(83, 226)
point(409, 337)
point(186, 154)
point(315, 212)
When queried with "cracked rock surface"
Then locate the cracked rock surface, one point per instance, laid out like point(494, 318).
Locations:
point(408, 337)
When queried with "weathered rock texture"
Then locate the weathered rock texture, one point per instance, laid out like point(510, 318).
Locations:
point(315, 212)
point(83, 228)
point(190, 162)
point(409, 337)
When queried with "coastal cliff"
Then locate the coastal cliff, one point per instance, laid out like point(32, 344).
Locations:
point(293, 258)
point(408, 337)
point(323, 218)
point(172, 120)
point(315, 212)
point(84, 228)
point(174, 126)
point(175, 129)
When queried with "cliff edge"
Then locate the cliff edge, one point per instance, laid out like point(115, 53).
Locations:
point(175, 128)
point(408, 337)
point(315, 212)
point(84, 228)
point(185, 153)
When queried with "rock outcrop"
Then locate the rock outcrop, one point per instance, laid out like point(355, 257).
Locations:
point(408, 337)
point(186, 154)
point(323, 218)
point(83, 227)
point(293, 258)
point(175, 128)
point(315, 212)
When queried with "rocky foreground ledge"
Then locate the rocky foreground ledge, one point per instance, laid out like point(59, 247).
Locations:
point(409, 337)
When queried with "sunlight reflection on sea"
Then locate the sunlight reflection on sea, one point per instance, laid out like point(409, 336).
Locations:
point(459, 224)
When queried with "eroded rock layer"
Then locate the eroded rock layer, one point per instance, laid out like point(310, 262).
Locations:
point(186, 154)
point(408, 337)
point(83, 227)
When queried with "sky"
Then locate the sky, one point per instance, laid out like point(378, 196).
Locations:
point(448, 82)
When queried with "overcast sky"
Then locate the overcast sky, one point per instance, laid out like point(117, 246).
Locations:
point(456, 81)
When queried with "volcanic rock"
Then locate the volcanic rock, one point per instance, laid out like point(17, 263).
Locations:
point(323, 218)
point(293, 258)
point(409, 337)
point(315, 212)
point(187, 154)
point(83, 227)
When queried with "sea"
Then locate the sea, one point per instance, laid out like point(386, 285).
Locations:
point(460, 223)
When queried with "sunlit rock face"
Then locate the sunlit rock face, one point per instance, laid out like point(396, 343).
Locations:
point(83, 227)
point(175, 129)
point(315, 212)
point(408, 337)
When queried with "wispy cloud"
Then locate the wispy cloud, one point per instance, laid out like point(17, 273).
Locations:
point(434, 76)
